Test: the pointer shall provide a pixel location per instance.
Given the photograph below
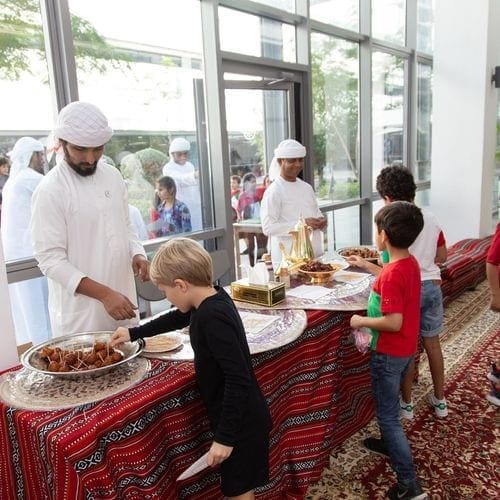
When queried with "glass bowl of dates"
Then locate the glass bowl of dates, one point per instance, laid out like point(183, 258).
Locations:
point(79, 355)
point(319, 272)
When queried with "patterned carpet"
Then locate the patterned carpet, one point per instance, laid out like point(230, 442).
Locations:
point(456, 457)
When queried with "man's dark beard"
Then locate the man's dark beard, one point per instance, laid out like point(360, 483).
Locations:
point(79, 170)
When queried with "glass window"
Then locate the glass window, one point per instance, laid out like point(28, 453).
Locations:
point(343, 228)
point(388, 20)
point(287, 5)
point(23, 75)
point(424, 122)
point(27, 112)
point(343, 13)
point(423, 198)
point(425, 26)
point(141, 66)
point(376, 206)
point(257, 121)
point(387, 111)
point(335, 91)
point(263, 37)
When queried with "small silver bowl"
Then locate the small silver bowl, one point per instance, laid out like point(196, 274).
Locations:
point(32, 359)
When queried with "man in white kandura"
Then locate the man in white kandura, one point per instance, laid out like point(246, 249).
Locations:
point(287, 198)
point(29, 299)
point(82, 235)
point(186, 179)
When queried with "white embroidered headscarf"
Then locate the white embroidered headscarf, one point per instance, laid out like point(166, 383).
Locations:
point(83, 124)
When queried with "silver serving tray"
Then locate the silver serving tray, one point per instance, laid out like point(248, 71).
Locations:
point(32, 360)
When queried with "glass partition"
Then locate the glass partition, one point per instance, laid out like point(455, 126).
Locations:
point(335, 92)
point(388, 77)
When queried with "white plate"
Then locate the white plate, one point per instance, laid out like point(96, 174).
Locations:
point(164, 342)
point(350, 277)
point(338, 262)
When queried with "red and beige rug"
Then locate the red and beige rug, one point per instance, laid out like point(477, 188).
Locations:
point(456, 457)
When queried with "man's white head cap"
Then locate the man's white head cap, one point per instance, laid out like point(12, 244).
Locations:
point(21, 154)
point(83, 124)
point(179, 145)
point(290, 148)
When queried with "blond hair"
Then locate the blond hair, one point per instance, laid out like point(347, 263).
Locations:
point(181, 258)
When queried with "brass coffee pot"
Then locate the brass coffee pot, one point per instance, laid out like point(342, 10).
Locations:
point(302, 249)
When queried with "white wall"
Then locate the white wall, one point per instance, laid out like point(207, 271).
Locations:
point(467, 48)
point(8, 350)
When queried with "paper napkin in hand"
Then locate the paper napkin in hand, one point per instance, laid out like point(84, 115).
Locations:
point(195, 467)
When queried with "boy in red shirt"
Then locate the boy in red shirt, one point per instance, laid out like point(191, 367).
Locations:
point(394, 318)
point(493, 275)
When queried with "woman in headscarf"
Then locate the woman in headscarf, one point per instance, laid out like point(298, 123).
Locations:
point(186, 179)
point(29, 298)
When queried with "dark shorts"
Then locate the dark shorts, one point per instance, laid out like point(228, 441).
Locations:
point(431, 309)
point(247, 467)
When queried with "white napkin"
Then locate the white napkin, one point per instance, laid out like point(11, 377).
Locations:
point(258, 274)
point(194, 468)
point(255, 322)
point(308, 292)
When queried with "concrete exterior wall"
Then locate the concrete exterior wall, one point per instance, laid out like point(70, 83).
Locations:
point(467, 48)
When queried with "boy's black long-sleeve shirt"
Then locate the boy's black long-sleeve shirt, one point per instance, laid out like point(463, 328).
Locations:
point(227, 383)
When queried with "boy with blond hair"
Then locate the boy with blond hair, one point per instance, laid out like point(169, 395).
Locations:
point(237, 410)
point(393, 316)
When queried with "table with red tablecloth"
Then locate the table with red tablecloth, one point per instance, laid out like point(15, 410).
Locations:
point(135, 444)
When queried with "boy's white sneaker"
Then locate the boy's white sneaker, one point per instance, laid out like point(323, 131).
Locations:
point(440, 406)
point(405, 409)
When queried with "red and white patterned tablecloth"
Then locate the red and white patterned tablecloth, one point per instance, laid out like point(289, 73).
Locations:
point(135, 444)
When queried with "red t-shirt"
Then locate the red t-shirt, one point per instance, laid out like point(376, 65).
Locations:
point(493, 256)
point(397, 290)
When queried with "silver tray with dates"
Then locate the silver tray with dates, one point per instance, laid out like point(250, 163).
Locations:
point(79, 355)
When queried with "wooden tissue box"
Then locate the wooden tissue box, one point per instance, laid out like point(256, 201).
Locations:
point(266, 295)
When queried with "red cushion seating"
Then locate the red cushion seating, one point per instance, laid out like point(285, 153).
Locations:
point(465, 266)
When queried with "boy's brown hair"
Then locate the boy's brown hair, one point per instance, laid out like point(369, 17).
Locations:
point(402, 222)
point(181, 258)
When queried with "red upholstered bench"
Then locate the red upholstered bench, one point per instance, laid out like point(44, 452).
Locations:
point(465, 266)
